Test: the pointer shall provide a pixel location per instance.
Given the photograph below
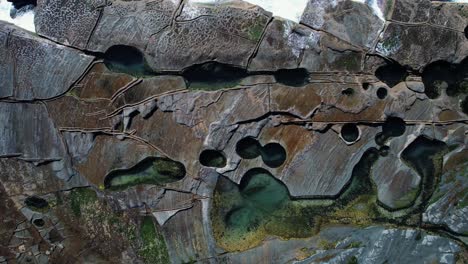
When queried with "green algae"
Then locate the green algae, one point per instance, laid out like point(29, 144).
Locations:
point(73, 92)
point(256, 31)
point(463, 202)
point(326, 245)
point(354, 244)
point(261, 205)
point(350, 61)
point(157, 171)
point(463, 174)
point(352, 260)
point(262, 190)
point(408, 199)
point(80, 197)
point(305, 253)
point(360, 184)
point(390, 44)
point(389, 8)
point(154, 249)
point(93, 220)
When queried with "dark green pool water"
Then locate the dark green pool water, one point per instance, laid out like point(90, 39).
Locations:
point(157, 171)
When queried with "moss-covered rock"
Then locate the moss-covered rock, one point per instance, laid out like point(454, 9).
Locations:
point(153, 248)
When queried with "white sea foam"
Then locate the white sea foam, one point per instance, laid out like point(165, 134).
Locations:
point(25, 20)
point(290, 9)
point(374, 5)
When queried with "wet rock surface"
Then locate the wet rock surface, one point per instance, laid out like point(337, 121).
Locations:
point(214, 132)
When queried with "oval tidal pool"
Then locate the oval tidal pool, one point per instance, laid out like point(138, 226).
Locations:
point(157, 171)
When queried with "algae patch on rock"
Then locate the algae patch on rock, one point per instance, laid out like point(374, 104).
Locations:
point(154, 248)
point(81, 197)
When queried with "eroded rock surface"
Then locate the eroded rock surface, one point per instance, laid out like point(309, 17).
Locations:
point(214, 132)
point(34, 68)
